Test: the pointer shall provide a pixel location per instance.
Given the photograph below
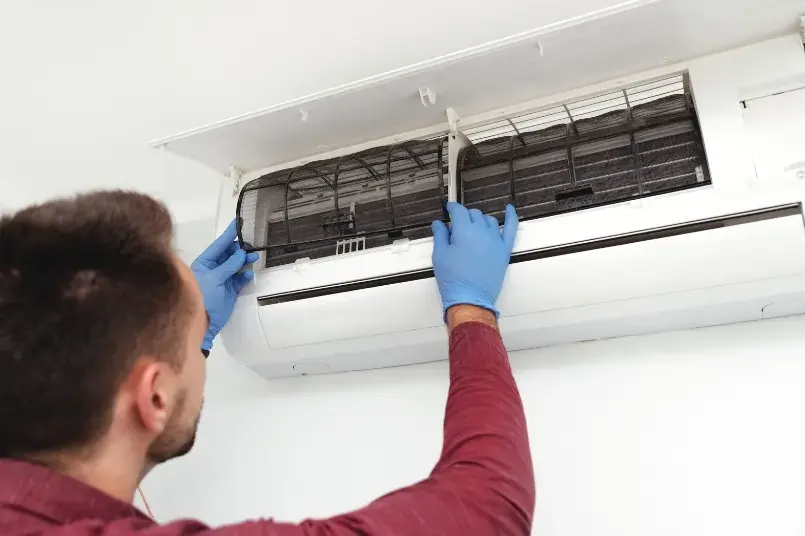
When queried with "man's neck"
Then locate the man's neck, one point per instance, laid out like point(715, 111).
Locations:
point(117, 476)
point(115, 481)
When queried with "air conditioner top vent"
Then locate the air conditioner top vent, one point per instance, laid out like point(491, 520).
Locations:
point(665, 96)
point(630, 143)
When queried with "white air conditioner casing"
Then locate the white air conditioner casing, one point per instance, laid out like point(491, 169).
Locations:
point(731, 274)
point(732, 251)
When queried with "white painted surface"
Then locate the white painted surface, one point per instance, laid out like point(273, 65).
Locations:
point(694, 433)
point(776, 124)
point(192, 236)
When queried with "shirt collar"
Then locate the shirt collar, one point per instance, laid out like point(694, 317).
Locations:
point(56, 496)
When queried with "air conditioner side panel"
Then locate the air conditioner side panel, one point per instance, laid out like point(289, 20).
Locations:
point(243, 336)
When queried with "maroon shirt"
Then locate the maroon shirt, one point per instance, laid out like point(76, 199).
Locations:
point(483, 483)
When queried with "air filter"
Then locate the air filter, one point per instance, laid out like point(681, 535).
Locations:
point(357, 201)
point(637, 142)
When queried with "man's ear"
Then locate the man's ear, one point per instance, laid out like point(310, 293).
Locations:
point(152, 394)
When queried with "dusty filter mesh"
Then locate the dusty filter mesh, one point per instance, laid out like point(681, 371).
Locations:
point(346, 204)
point(623, 145)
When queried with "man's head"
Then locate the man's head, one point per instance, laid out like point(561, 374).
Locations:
point(101, 326)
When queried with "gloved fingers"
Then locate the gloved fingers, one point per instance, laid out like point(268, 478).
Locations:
point(458, 214)
point(231, 266)
point(234, 246)
point(221, 244)
point(252, 258)
point(510, 227)
point(241, 280)
point(492, 222)
point(441, 234)
point(476, 216)
point(224, 255)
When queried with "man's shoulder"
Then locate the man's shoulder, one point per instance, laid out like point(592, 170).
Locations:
point(16, 521)
point(23, 525)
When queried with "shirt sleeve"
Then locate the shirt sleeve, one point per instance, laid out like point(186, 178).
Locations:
point(482, 484)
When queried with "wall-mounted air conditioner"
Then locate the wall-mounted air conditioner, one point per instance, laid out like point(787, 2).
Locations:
point(627, 225)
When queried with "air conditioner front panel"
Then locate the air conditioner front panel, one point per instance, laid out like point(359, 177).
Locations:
point(729, 304)
point(393, 308)
point(725, 270)
point(719, 257)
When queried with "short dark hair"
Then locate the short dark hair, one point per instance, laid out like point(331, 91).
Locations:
point(87, 284)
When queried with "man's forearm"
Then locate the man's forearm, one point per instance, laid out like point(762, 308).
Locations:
point(486, 440)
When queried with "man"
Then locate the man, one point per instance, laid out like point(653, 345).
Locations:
point(103, 337)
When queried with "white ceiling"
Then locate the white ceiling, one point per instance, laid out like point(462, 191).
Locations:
point(630, 37)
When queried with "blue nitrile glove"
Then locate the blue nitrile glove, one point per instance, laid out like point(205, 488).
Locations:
point(471, 257)
point(216, 271)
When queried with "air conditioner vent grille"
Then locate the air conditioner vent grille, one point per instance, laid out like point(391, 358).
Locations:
point(379, 195)
point(623, 145)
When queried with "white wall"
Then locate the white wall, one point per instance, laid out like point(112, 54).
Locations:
point(696, 433)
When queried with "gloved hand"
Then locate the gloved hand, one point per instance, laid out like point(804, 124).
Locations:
point(216, 271)
point(470, 259)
